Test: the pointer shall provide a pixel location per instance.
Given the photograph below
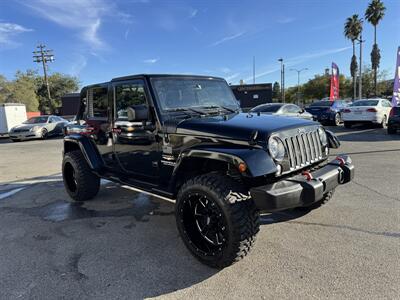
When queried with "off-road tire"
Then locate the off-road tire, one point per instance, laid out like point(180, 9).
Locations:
point(347, 125)
point(80, 182)
point(391, 130)
point(327, 196)
point(240, 217)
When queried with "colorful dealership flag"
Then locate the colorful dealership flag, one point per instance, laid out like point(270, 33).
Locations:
point(396, 83)
point(334, 83)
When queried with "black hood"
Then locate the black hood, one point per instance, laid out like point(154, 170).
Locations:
point(239, 126)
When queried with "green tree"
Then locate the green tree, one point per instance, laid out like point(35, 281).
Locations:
point(352, 30)
point(4, 89)
point(23, 90)
point(276, 91)
point(60, 84)
point(374, 14)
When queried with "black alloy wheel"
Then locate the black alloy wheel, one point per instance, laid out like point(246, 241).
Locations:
point(204, 222)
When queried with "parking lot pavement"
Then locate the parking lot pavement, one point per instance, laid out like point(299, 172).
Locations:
point(125, 245)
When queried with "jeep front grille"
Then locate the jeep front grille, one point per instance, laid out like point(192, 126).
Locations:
point(303, 149)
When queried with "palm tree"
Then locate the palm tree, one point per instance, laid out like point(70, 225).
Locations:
point(374, 14)
point(352, 30)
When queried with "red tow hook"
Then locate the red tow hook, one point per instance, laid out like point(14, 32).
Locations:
point(308, 175)
point(342, 162)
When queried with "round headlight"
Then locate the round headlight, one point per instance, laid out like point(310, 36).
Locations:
point(322, 136)
point(276, 148)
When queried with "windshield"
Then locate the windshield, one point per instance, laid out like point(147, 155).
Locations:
point(174, 94)
point(321, 103)
point(366, 103)
point(266, 108)
point(36, 120)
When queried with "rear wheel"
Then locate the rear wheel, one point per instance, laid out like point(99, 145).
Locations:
point(216, 219)
point(347, 124)
point(79, 181)
point(16, 140)
point(383, 124)
point(336, 120)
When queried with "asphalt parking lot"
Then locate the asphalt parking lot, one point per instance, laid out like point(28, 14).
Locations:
point(124, 244)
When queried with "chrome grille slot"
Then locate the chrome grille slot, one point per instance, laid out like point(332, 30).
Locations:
point(303, 149)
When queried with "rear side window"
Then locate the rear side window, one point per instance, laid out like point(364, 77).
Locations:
point(97, 105)
point(366, 103)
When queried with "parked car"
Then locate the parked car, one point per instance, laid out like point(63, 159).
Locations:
point(367, 111)
point(184, 139)
point(38, 127)
point(328, 112)
point(394, 120)
point(282, 109)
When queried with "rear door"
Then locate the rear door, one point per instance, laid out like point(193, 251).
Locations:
point(98, 120)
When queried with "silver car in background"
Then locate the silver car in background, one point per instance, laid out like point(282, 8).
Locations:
point(282, 109)
point(39, 127)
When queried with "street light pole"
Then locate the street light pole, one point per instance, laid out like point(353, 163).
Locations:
point(43, 56)
point(298, 82)
point(361, 41)
point(282, 80)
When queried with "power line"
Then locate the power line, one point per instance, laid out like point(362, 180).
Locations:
point(43, 55)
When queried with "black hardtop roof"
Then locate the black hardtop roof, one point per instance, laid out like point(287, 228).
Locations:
point(164, 75)
point(128, 77)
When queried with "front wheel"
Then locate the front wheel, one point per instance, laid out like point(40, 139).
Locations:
point(80, 182)
point(44, 134)
point(216, 219)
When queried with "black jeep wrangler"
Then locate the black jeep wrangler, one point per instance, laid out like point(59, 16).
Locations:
point(184, 138)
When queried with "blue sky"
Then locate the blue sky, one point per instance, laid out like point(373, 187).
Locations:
point(97, 40)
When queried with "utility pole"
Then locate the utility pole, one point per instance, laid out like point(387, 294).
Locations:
point(282, 80)
point(298, 83)
point(43, 55)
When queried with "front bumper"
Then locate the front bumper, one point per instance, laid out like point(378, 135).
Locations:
point(25, 135)
point(298, 191)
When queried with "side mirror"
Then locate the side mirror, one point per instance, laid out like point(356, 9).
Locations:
point(333, 141)
point(138, 113)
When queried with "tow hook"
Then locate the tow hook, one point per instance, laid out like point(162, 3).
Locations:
point(308, 175)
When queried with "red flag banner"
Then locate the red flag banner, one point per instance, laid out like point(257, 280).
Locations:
point(334, 94)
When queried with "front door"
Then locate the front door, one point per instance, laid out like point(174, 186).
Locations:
point(135, 144)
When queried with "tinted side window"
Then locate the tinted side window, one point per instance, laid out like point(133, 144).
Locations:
point(293, 109)
point(126, 95)
point(97, 102)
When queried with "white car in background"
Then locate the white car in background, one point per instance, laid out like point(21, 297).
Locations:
point(373, 111)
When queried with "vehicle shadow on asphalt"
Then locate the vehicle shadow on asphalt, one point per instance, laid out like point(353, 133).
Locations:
point(131, 235)
point(6, 140)
point(283, 216)
point(363, 133)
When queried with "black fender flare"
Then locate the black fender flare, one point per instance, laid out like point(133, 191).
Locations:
point(87, 148)
point(257, 160)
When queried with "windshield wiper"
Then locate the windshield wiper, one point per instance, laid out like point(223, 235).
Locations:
point(186, 110)
point(219, 106)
